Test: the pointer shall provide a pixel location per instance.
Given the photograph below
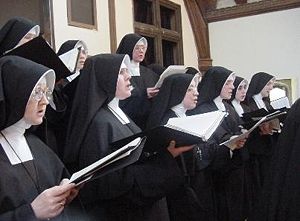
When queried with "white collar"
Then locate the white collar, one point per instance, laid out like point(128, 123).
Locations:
point(179, 110)
point(135, 68)
point(114, 108)
point(220, 105)
point(14, 134)
point(259, 101)
point(73, 76)
point(238, 107)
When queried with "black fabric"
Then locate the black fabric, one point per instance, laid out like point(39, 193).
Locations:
point(102, 70)
point(257, 83)
point(195, 200)
point(18, 78)
point(192, 71)
point(133, 192)
point(13, 31)
point(67, 46)
point(50, 171)
point(212, 83)
point(127, 44)
point(137, 106)
point(171, 93)
point(236, 84)
point(281, 197)
point(156, 68)
point(228, 172)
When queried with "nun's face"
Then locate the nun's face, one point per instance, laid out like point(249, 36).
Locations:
point(241, 91)
point(36, 105)
point(265, 92)
point(227, 89)
point(123, 89)
point(28, 37)
point(82, 57)
point(139, 52)
point(191, 96)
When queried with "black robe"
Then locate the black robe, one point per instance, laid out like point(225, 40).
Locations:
point(131, 193)
point(196, 200)
point(260, 149)
point(229, 172)
point(138, 105)
point(17, 190)
point(281, 192)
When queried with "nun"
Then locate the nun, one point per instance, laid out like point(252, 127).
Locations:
point(195, 200)
point(32, 184)
point(68, 46)
point(228, 175)
point(58, 118)
point(262, 142)
point(281, 193)
point(138, 105)
point(131, 193)
point(17, 31)
point(239, 95)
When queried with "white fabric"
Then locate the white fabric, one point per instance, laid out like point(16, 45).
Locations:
point(179, 110)
point(135, 68)
point(220, 105)
point(81, 44)
point(238, 107)
point(49, 76)
point(15, 136)
point(259, 101)
point(73, 76)
point(120, 115)
point(142, 41)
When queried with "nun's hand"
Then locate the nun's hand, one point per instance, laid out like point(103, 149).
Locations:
point(73, 192)
point(176, 151)
point(240, 143)
point(266, 128)
point(152, 92)
point(51, 202)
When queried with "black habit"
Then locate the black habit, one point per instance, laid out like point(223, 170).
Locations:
point(138, 105)
point(228, 171)
point(21, 183)
point(281, 192)
point(131, 193)
point(260, 147)
point(194, 200)
point(13, 31)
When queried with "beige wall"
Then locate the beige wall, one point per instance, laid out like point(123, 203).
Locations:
point(98, 41)
point(268, 42)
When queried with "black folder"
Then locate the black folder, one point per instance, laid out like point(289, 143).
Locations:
point(39, 51)
point(110, 163)
point(251, 118)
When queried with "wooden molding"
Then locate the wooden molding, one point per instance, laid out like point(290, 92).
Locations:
point(48, 25)
point(204, 64)
point(112, 25)
point(248, 9)
point(200, 30)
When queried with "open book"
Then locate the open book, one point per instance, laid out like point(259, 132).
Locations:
point(39, 51)
point(172, 69)
point(282, 102)
point(118, 159)
point(272, 118)
point(184, 130)
point(70, 59)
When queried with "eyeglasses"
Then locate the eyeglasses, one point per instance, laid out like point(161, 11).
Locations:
point(140, 48)
point(39, 93)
